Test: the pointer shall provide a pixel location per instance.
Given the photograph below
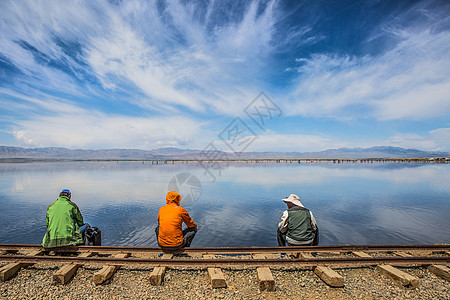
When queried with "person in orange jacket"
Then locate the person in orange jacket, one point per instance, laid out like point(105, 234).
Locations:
point(170, 220)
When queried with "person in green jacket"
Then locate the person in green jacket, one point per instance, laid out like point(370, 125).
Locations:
point(63, 222)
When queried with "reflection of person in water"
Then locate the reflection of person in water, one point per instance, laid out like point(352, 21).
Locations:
point(298, 226)
point(170, 220)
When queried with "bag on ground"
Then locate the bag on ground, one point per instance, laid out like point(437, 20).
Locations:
point(92, 236)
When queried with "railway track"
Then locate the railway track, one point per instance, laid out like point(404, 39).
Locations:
point(319, 258)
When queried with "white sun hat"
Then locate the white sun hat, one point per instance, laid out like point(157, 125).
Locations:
point(294, 199)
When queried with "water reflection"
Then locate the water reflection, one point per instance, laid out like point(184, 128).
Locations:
point(378, 203)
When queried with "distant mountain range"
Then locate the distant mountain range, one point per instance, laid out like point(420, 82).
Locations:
point(175, 153)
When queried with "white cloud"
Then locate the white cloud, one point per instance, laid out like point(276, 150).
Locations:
point(434, 140)
point(19, 135)
point(99, 131)
point(173, 57)
point(58, 122)
point(187, 61)
point(409, 81)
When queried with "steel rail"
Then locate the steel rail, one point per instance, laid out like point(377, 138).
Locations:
point(294, 262)
point(234, 250)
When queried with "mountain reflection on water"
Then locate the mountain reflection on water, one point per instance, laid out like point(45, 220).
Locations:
point(354, 203)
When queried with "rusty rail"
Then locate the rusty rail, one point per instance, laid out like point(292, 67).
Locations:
point(220, 262)
point(235, 250)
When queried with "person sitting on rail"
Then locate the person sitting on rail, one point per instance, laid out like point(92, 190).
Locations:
point(64, 223)
point(169, 231)
point(298, 226)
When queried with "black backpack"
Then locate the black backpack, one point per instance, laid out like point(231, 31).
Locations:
point(92, 236)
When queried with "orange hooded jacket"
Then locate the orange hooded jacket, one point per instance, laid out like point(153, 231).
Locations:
point(170, 220)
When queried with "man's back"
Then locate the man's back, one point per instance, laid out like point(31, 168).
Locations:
point(63, 221)
point(299, 224)
point(170, 221)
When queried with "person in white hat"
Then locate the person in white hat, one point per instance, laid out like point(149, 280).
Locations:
point(298, 226)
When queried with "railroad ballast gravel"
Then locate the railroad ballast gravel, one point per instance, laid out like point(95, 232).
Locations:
point(35, 282)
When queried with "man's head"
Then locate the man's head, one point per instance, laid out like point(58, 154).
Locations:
point(173, 197)
point(65, 192)
point(292, 200)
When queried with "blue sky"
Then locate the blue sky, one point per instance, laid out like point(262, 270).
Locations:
point(151, 74)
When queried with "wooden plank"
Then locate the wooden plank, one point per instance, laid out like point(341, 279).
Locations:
point(34, 253)
point(8, 271)
point(107, 271)
point(332, 253)
point(157, 275)
point(265, 280)
point(217, 278)
point(402, 254)
point(63, 275)
point(195, 255)
point(215, 274)
point(399, 277)
point(66, 272)
point(329, 276)
point(440, 270)
point(305, 255)
point(265, 256)
point(360, 254)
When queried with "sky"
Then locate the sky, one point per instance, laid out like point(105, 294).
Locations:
point(227, 75)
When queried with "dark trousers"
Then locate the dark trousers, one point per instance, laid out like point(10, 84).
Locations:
point(188, 236)
point(281, 239)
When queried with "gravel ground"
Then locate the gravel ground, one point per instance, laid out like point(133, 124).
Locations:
point(35, 282)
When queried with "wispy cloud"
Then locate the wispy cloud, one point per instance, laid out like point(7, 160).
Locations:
point(434, 140)
point(172, 57)
point(409, 81)
point(97, 130)
point(154, 64)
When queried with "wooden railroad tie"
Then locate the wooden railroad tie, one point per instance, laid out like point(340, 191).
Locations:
point(11, 269)
point(360, 254)
point(265, 278)
point(328, 275)
point(215, 274)
point(66, 272)
point(107, 271)
point(399, 277)
point(157, 275)
point(438, 270)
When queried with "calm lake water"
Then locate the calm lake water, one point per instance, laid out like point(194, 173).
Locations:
point(353, 203)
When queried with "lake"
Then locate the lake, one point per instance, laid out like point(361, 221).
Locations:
point(353, 203)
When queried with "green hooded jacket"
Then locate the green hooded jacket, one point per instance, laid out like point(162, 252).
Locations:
point(63, 224)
